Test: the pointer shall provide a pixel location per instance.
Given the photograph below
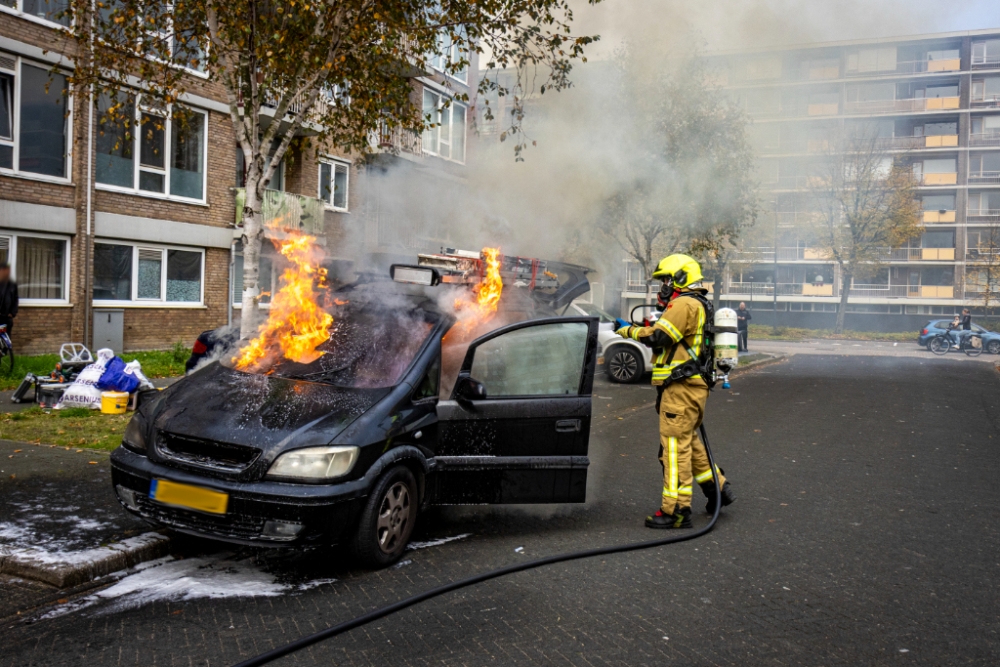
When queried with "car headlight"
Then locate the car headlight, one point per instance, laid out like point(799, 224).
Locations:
point(315, 463)
point(135, 434)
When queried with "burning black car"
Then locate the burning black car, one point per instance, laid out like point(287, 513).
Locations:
point(389, 419)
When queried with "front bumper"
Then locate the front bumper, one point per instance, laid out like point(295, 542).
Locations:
point(326, 513)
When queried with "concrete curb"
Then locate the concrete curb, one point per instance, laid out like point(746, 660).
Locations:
point(69, 569)
point(774, 358)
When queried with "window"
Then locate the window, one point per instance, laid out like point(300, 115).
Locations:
point(937, 130)
point(448, 52)
point(147, 274)
point(871, 92)
point(938, 239)
point(39, 265)
point(986, 53)
point(33, 127)
point(447, 140)
point(938, 202)
point(49, 10)
point(764, 68)
point(938, 166)
point(986, 164)
point(539, 360)
point(936, 92)
point(986, 125)
point(170, 148)
point(984, 203)
point(943, 54)
point(986, 90)
point(872, 60)
point(277, 181)
point(267, 281)
point(333, 176)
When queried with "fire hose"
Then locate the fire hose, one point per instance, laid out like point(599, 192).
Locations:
point(375, 615)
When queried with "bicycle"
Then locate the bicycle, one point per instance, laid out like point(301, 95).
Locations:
point(971, 344)
point(6, 350)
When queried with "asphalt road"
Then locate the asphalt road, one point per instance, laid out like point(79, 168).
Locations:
point(866, 532)
point(864, 348)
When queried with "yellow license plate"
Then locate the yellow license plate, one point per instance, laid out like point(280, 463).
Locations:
point(186, 495)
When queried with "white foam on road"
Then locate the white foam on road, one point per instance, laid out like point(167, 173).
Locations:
point(436, 543)
point(168, 579)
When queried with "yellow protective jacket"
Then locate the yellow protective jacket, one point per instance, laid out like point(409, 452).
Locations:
point(683, 318)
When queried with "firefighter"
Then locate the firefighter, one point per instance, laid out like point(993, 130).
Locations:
point(681, 391)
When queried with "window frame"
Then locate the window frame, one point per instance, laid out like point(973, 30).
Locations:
point(442, 96)
point(275, 273)
point(15, 140)
point(13, 236)
point(137, 168)
point(448, 55)
point(135, 301)
point(19, 12)
point(334, 162)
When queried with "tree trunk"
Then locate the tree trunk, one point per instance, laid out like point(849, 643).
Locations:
point(253, 235)
point(717, 284)
point(845, 292)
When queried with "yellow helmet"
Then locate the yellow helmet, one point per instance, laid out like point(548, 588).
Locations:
point(679, 270)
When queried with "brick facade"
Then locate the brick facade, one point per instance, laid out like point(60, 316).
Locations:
point(42, 328)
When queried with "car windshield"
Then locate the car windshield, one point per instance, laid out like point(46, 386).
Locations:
point(594, 311)
point(369, 347)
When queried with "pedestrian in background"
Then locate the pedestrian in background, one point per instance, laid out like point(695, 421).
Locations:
point(8, 297)
point(743, 318)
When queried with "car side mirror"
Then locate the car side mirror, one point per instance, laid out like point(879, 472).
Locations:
point(469, 390)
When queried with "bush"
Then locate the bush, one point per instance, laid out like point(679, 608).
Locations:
point(180, 353)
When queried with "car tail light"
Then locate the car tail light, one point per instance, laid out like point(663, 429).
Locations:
point(923, 332)
point(201, 348)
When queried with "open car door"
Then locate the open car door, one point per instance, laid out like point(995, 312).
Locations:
point(517, 425)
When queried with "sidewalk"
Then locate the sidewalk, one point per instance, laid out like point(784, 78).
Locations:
point(865, 348)
point(56, 507)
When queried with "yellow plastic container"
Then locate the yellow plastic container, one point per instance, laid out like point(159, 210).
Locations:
point(114, 402)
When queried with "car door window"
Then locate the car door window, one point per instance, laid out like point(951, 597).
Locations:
point(428, 387)
point(540, 360)
point(978, 329)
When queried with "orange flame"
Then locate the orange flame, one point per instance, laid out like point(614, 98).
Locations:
point(296, 324)
point(487, 294)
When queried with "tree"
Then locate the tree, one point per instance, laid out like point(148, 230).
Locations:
point(340, 69)
point(692, 187)
point(983, 273)
point(867, 205)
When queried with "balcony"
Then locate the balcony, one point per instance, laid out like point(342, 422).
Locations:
point(941, 141)
point(285, 210)
point(905, 67)
point(986, 102)
point(939, 216)
point(901, 106)
point(991, 138)
point(864, 291)
point(917, 255)
point(989, 255)
point(831, 109)
point(982, 215)
point(939, 179)
point(931, 291)
point(985, 62)
point(985, 178)
point(398, 140)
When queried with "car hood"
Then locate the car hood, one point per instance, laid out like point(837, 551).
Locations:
point(220, 404)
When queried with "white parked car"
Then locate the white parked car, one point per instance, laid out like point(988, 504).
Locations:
point(625, 360)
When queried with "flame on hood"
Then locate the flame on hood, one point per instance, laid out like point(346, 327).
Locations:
point(296, 324)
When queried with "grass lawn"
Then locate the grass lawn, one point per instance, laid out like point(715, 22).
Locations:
point(72, 427)
point(750, 358)
point(155, 364)
point(767, 332)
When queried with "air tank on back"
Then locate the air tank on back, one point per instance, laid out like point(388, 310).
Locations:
point(726, 342)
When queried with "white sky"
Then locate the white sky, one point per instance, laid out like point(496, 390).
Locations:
point(729, 24)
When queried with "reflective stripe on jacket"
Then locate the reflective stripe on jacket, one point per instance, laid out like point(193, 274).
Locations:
point(683, 318)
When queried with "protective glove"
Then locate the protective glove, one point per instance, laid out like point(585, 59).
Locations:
point(625, 332)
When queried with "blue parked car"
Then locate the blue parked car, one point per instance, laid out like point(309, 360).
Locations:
point(991, 339)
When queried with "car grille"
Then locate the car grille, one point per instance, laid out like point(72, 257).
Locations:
point(206, 453)
point(236, 526)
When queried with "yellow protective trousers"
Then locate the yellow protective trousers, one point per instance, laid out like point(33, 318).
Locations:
point(682, 407)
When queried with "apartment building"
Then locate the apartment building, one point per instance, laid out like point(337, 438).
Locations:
point(934, 101)
point(113, 239)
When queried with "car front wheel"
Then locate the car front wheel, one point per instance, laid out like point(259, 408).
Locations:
point(993, 347)
point(625, 365)
point(387, 520)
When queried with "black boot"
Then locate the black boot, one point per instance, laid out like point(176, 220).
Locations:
point(681, 518)
point(728, 497)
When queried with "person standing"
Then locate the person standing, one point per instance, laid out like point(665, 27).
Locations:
point(743, 318)
point(677, 339)
point(8, 297)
